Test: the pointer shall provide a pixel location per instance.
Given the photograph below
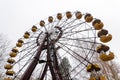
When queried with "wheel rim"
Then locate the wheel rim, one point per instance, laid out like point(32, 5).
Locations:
point(74, 38)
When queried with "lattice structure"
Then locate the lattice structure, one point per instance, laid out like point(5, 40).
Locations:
point(78, 38)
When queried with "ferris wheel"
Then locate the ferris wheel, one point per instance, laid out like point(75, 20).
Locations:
point(62, 47)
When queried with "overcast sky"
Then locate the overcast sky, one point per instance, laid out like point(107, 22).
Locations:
point(17, 16)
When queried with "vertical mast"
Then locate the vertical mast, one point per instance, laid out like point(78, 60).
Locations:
point(34, 62)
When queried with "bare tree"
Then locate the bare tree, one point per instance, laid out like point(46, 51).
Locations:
point(115, 69)
point(4, 47)
point(65, 68)
point(110, 69)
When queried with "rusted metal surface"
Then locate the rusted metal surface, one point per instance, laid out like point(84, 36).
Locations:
point(44, 72)
point(33, 64)
point(56, 66)
point(53, 66)
point(49, 59)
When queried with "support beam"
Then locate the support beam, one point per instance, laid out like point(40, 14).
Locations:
point(44, 72)
point(33, 64)
point(49, 58)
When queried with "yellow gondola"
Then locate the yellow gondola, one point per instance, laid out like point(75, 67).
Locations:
point(109, 37)
point(8, 78)
point(10, 72)
point(15, 50)
point(50, 19)
point(90, 68)
point(102, 32)
point(26, 35)
point(103, 57)
point(97, 68)
point(106, 38)
point(88, 17)
point(20, 41)
point(68, 14)
point(102, 78)
point(111, 55)
point(42, 23)
point(103, 38)
point(102, 47)
point(10, 60)
point(78, 15)
point(13, 54)
point(97, 24)
point(8, 66)
point(19, 44)
point(92, 78)
point(34, 28)
point(105, 48)
point(59, 16)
